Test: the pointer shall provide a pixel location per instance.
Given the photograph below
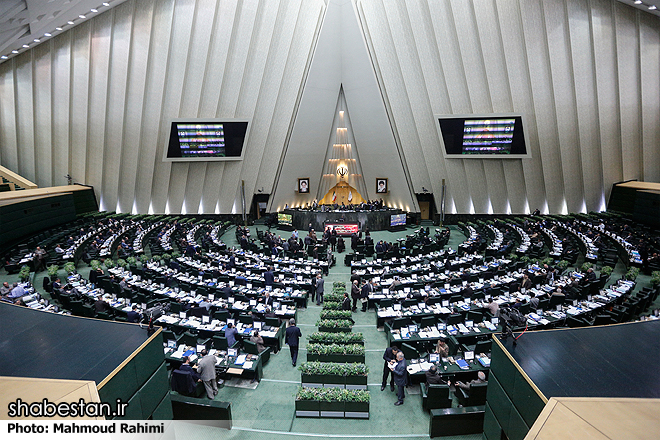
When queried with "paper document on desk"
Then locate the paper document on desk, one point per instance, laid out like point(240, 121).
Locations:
point(396, 337)
point(240, 360)
point(414, 368)
point(425, 366)
point(247, 365)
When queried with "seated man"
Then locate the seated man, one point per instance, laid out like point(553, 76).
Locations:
point(5, 289)
point(16, 291)
point(185, 366)
point(432, 376)
point(481, 378)
point(442, 348)
point(258, 340)
point(133, 315)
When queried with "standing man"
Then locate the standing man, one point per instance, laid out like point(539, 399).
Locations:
point(364, 295)
point(269, 277)
point(319, 289)
point(399, 371)
point(230, 334)
point(355, 294)
point(206, 371)
point(292, 337)
point(390, 359)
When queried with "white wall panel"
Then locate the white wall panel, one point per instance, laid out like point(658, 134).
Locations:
point(627, 50)
point(650, 69)
point(8, 146)
point(42, 115)
point(24, 113)
point(97, 101)
point(135, 98)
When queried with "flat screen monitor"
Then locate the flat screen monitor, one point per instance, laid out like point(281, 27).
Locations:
point(434, 358)
point(495, 321)
point(258, 325)
point(468, 355)
point(398, 220)
point(285, 219)
point(171, 343)
point(232, 352)
point(200, 347)
point(206, 140)
point(483, 136)
point(412, 328)
point(469, 324)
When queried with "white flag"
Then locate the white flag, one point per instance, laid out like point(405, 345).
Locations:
point(350, 195)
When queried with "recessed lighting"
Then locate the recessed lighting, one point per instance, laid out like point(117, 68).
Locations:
point(58, 28)
point(652, 7)
point(47, 34)
point(36, 40)
point(4, 57)
point(82, 16)
point(94, 10)
point(70, 22)
point(106, 4)
point(638, 2)
point(14, 51)
point(25, 46)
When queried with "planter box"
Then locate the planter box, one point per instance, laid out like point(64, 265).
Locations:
point(356, 380)
point(339, 358)
point(332, 409)
point(338, 343)
point(308, 408)
point(356, 410)
point(335, 329)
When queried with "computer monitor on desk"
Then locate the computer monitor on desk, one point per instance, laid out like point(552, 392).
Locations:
point(200, 347)
point(232, 352)
point(495, 321)
point(434, 358)
point(469, 324)
point(468, 355)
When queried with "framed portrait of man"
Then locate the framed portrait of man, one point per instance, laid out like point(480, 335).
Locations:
point(381, 185)
point(303, 185)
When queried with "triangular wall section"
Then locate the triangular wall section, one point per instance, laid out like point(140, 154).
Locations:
point(341, 60)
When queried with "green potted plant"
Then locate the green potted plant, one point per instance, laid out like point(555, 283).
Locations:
point(562, 265)
point(24, 273)
point(336, 314)
point(655, 277)
point(165, 257)
point(69, 267)
point(95, 264)
point(109, 263)
point(334, 325)
point(632, 273)
point(331, 305)
point(336, 338)
point(307, 402)
point(586, 266)
point(356, 401)
point(144, 259)
point(122, 263)
point(52, 271)
point(606, 270)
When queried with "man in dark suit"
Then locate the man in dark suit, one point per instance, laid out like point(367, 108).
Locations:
point(319, 289)
point(269, 277)
point(133, 315)
point(185, 366)
point(399, 371)
point(433, 377)
point(364, 295)
point(355, 293)
point(390, 358)
point(346, 302)
point(292, 338)
point(226, 291)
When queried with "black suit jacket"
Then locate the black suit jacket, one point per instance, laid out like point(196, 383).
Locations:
point(133, 316)
point(269, 277)
point(293, 335)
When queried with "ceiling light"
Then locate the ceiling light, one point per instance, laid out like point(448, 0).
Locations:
point(638, 2)
point(82, 16)
point(36, 40)
point(94, 10)
point(25, 46)
point(106, 4)
point(4, 57)
point(652, 7)
point(14, 51)
point(47, 34)
point(70, 22)
point(58, 28)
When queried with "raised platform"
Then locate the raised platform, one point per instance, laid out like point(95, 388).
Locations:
point(374, 220)
point(615, 361)
point(120, 358)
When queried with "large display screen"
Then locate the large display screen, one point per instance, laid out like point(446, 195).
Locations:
point(483, 136)
point(398, 220)
point(206, 140)
point(284, 219)
point(344, 228)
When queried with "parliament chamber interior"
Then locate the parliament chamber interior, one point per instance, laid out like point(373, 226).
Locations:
point(419, 219)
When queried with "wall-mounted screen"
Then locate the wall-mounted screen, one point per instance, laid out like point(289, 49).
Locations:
point(206, 140)
point(344, 228)
point(285, 219)
point(486, 136)
point(398, 220)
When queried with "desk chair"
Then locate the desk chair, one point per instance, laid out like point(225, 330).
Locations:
point(168, 335)
point(454, 319)
point(479, 347)
point(387, 302)
point(475, 396)
point(427, 321)
point(184, 383)
point(221, 315)
point(435, 396)
point(251, 348)
point(409, 351)
point(475, 316)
